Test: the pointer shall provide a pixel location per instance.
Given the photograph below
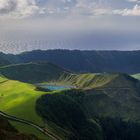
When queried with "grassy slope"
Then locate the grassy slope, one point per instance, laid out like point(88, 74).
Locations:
point(137, 76)
point(19, 99)
point(33, 72)
point(111, 95)
point(88, 81)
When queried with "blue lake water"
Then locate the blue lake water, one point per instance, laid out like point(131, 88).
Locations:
point(56, 87)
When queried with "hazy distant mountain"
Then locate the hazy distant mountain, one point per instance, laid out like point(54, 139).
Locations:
point(85, 61)
point(81, 61)
point(4, 60)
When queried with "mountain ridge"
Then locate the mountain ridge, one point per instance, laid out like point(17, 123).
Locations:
point(84, 60)
point(33, 72)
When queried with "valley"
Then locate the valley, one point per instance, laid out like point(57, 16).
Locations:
point(53, 103)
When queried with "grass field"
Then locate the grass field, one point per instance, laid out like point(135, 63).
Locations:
point(19, 99)
point(137, 76)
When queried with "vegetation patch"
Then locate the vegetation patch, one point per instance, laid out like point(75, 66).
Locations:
point(66, 113)
point(19, 100)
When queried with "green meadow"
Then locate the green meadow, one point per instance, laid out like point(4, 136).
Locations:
point(19, 99)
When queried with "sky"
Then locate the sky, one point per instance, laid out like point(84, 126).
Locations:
point(69, 24)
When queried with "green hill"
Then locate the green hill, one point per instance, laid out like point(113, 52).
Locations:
point(33, 72)
point(19, 99)
point(115, 92)
point(98, 96)
point(71, 114)
point(76, 113)
point(110, 94)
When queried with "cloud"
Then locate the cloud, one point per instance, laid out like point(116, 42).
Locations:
point(135, 11)
point(134, 1)
point(18, 8)
point(70, 18)
point(67, 8)
point(91, 8)
point(74, 8)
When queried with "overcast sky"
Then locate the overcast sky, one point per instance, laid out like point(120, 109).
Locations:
point(70, 24)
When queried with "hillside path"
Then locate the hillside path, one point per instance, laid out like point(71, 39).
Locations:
point(42, 130)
